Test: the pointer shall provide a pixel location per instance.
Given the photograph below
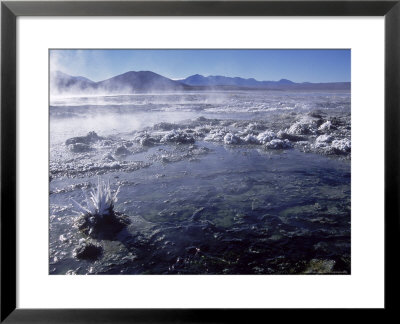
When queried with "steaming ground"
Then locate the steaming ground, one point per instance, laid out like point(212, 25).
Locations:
point(220, 182)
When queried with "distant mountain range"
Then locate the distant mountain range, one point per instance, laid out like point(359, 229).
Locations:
point(147, 81)
point(218, 80)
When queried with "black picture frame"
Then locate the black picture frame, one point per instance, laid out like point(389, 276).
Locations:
point(10, 10)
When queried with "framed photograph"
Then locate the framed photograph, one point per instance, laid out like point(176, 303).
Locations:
point(181, 160)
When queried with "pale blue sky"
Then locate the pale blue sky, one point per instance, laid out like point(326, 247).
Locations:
point(270, 65)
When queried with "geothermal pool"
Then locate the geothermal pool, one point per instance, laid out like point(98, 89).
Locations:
point(228, 182)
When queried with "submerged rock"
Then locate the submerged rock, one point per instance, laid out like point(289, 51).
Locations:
point(88, 251)
point(195, 150)
point(103, 227)
point(317, 266)
point(197, 214)
point(192, 250)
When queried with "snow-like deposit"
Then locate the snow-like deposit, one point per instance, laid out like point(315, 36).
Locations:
point(266, 137)
point(278, 144)
point(178, 136)
point(325, 126)
point(231, 139)
point(343, 145)
point(320, 132)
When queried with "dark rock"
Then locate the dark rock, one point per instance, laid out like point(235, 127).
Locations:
point(290, 137)
point(316, 114)
point(165, 126)
point(197, 214)
point(147, 141)
point(108, 157)
point(103, 227)
point(79, 148)
point(90, 138)
point(192, 250)
point(88, 251)
point(122, 150)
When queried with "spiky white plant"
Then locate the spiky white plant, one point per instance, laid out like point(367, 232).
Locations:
point(100, 201)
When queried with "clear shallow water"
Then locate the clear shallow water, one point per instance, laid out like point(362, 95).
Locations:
point(227, 210)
